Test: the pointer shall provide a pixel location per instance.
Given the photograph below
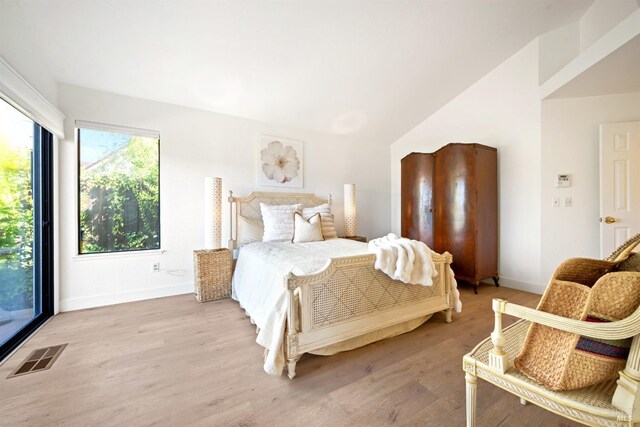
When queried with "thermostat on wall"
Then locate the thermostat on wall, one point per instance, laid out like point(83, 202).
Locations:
point(564, 180)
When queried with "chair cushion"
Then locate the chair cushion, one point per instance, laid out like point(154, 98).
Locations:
point(632, 263)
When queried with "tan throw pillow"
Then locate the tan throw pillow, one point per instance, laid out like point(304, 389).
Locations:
point(328, 226)
point(307, 230)
point(278, 222)
point(249, 230)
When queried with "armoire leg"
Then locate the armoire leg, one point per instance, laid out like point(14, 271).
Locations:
point(496, 281)
point(475, 287)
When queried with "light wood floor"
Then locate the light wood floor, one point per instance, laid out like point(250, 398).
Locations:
point(172, 361)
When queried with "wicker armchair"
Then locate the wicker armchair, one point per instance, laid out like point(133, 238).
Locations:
point(611, 403)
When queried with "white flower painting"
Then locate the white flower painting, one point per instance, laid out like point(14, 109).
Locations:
point(280, 162)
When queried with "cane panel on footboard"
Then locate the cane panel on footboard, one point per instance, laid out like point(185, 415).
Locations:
point(357, 290)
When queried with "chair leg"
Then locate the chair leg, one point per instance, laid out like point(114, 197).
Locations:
point(471, 399)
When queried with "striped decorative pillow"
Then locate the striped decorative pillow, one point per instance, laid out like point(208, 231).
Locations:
point(612, 349)
point(307, 230)
point(328, 226)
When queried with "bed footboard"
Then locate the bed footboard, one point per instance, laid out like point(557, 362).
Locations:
point(349, 298)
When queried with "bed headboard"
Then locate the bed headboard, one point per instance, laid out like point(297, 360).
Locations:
point(249, 206)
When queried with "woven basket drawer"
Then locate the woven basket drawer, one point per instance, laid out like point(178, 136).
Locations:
point(212, 274)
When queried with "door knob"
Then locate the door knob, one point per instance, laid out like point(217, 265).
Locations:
point(609, 220)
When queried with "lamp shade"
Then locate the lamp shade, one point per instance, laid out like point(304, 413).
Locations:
point(212, 213)
point(349, 210)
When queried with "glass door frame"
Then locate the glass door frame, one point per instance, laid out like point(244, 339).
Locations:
point(43, 264)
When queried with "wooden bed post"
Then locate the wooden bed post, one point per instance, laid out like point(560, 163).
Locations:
point(447, 315)
point(291, 345)
point(232, 242)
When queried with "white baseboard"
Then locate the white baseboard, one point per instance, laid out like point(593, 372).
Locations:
point(534, 288)
point(72, 304)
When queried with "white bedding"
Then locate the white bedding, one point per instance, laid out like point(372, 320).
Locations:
point(259, 288)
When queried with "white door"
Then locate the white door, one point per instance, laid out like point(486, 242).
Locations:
point(619, 184)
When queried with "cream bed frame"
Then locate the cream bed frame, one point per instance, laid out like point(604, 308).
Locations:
point(348, 303)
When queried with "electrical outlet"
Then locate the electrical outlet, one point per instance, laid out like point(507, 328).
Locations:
point(156, 267)
point(556, 202)
point(568, 202)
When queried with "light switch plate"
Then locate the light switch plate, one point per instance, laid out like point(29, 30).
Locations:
point(568, 202)
point(556, 202)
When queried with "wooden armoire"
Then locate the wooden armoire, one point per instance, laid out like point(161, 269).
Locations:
point(449, 200)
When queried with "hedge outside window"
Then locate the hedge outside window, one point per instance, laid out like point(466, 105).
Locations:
point(119, 191)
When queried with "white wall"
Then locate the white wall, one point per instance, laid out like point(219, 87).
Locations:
point(501, 110)
point(20, 48)
point(601, 17)
point(558, 48)
point(570, 144)
point(195, 144)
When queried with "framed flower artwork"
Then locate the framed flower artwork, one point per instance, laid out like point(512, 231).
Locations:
point(280, 162)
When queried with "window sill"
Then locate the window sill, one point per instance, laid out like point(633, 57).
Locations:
point(112, 255)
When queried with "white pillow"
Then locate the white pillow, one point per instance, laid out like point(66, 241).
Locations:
point(249, 230)
point(278, 222)
point(307, 230)
point(328, 227)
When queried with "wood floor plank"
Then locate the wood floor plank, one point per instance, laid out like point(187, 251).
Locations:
point(172, 361)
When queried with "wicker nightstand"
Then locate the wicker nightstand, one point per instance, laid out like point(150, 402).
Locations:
point(357, 238)
point(212, 274)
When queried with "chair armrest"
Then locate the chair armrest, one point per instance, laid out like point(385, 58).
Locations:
point(619, 329)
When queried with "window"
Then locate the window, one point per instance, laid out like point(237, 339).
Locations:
point(26, 237)
point(119, 189)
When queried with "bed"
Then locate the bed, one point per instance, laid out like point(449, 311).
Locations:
point(323, 297)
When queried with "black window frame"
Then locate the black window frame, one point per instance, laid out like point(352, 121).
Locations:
point(78, 200)
point(43, 238)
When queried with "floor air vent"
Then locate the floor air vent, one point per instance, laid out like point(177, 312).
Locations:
point(38, 360)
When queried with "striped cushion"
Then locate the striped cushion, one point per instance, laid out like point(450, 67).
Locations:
point(614, 349)
point(307, 230)
point(328, 226)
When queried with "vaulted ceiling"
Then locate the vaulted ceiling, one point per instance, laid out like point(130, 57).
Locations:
point(371, 69)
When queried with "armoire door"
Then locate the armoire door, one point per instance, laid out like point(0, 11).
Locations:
point(416, 197)
point(455, 207)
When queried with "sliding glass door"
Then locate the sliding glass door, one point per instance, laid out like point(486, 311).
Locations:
point(26, 297)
